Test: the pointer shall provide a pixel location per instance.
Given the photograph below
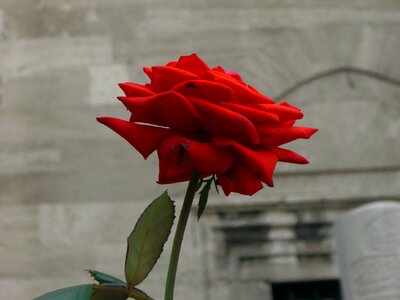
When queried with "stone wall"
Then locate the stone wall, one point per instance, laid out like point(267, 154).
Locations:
point(70, 190)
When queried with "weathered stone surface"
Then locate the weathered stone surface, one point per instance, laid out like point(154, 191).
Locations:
point(103, 89)
point(32, 56)
point(11, 289)
point(1, 24)
point(56, 89)
point(66, 181)
point(368, 246)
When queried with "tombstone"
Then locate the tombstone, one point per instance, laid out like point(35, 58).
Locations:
point(368, 244)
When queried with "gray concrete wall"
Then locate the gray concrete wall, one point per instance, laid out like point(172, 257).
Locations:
point(71, 191)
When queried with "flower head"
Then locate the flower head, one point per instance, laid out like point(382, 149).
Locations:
point(208, 120)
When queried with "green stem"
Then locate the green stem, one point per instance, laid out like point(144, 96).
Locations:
point(180, 230)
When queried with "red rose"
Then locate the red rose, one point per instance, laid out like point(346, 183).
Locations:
point(208, 120)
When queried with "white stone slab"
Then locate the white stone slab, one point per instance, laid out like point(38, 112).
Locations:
point(368, 241)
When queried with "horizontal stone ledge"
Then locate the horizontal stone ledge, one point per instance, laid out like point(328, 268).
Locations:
point(298, 255)
point(315, 203)
point(275, 273)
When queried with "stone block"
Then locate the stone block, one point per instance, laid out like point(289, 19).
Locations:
point(52, 53)
point(253, 290)
point(103, 83)
point(280, 218)
point(12, 289)
point(19, 224)
point(32, 160)
point(1, 24)
point(53, 89)
point(38, 261)
point(281, 234)
point(72, 18)
point(87, 224)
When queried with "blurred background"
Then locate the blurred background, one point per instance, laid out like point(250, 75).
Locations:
point(71, 190)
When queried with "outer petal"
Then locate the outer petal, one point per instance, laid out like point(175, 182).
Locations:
point(173, 160)
point(253, 114)
point(171, 64)
point(240, 179)
point(192, 63)
point(203, 157)
point(207, 158)
point(285, 113)
point(135, 90)
point(261, 161)
point(148, 72)
point(242, 92)
point(218, 69)
point(279, 135)
point(207, 90)
point(228, 74)
point(223, 122)
point(144, 138)
point(166, 109)
point(289, 156)
point(289, 105)
point(163, 78)
point(234, 75)
point(171, 173)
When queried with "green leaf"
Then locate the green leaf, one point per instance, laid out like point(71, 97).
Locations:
point(103, 278)
point(137, 294)
point(146, 242)
point(108, 292)
point(203, 198)
point(78, 292)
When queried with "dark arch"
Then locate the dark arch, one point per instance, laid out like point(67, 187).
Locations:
point(340, 69)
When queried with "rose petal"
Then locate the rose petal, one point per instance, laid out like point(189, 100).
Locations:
point(170, 173)
point(148, 72)
point(171, 64)
point(241, 179)
point(173, 160)
point(289, 156)
point(220, 121)
point(203, 157)
point(285, 113)
point(228, 74)
point(279, 135)
point(218, 69)
point(179, 156)
point(289, 105)
point(143, 138)
point(193, 64)
point(165, 109)
point(234, 75)
point(163, 78)
point(207, 158)
point(261, 161)
point(206, 90)
point(242, 92)
point(253, 114)
point(135, 90)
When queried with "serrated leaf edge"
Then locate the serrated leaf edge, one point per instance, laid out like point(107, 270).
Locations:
point(96, 278)
point(130, 286)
